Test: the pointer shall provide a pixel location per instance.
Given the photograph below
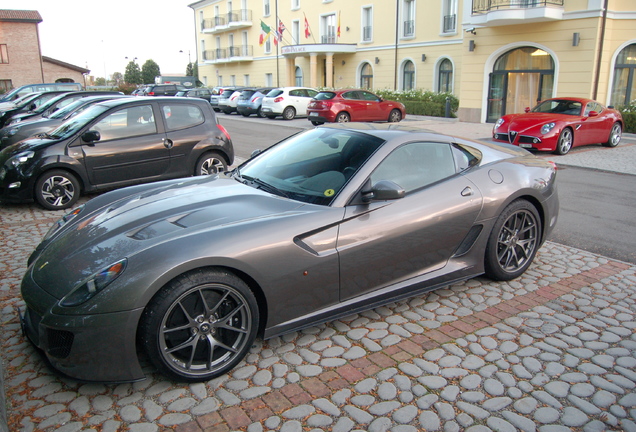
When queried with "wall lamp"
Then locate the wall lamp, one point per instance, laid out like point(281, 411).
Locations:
point(471, 45)
point(377, 60)
point(576, 38)
point(423, 57)
point(343, 62)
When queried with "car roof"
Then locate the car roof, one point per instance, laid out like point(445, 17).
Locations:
point(141, 99)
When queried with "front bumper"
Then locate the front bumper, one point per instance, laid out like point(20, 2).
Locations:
point(16, 186)
point(99, 347)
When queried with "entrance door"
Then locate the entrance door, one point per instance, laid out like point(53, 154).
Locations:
point(523, 91)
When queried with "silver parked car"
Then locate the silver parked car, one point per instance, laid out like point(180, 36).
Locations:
point(329, 222)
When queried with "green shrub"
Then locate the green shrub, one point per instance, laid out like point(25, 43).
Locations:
point(629, 117)
point(423, 102)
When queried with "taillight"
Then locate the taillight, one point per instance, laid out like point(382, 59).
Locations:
point(151, 94)
point(255, 99)
point(278, 99)
point(233, 98)
point(222, 129)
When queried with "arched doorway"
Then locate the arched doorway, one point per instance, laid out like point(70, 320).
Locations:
point(520, 78)
point(445, 76)
point(624, 88)
point(366, 77)
point(408, 75)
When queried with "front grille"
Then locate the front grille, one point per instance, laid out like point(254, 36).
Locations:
point(60, 343)
point(529, 139)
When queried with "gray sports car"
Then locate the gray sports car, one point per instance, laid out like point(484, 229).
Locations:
point(328, 222)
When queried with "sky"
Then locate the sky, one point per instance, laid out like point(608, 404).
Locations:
point(100, 35)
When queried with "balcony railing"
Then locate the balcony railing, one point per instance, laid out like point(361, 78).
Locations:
point(228, 54)
point(328, 39)
point(450, 23)
point(230, 19)
point(239, 16)
point(409, 28)
point(367, 33)
point(485, 6)
point(241, 51)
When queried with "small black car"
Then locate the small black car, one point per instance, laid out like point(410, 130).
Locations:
point(112, 144)
point(162, 90)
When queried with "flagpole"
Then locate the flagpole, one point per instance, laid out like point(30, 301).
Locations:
point(276, 36)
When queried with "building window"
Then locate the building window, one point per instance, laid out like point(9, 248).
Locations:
point(623, 87)
point(295, 32)
point(5, 85)
point(269, 80)
point(408, 75)
point(366, 76)
point(268, 45)
point(408, 18)
point(328, 28)
point(295, 4)
point(4, 54)
point(232, 80)
point(246, 79)
point(219, 80)
point(449, 16)
point(445, 77)
point(299, 76)
point(367, 24)
point(266, 8)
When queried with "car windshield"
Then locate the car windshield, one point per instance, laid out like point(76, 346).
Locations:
point(325, 96)
point(74, 124)
point(24, 100)
point(559, 106)
point(312, 166)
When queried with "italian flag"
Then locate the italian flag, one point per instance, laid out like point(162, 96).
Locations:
point(265, 31)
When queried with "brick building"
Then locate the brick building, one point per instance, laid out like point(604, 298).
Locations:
point(21, 60)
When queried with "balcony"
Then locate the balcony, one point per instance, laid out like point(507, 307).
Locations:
point(450, 24)
point(513, 12)
point(230, 21)
point(367, 33)
point(236, 53)
point(328, 39)
point(408, 29)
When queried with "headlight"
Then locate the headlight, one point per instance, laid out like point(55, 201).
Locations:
point(12, 132)
point(547, 127)
point(21, 158)
point(63, 221)
point(94, 284)
point(499, 122)
point(15, 121)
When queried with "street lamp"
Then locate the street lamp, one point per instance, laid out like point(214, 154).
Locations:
point(133, 60)
point(181, 52)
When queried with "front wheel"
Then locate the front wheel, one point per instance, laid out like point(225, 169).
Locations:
point(343, 117)
point(614, 136)
point(260, 113)
point(564, 144)
point(315, 123)
point(395, 116)
point(289, 113)
point(57, 190)
point(200, 325)
point(513, 242)
point(210, 163)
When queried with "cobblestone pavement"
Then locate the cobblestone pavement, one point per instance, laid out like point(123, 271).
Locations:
point(554, 350)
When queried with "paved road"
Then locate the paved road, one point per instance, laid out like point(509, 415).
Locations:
point(552, 351)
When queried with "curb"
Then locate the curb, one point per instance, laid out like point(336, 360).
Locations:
point(3, 405)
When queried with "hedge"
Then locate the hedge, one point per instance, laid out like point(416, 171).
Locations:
point(629, 117)
point(420, 102)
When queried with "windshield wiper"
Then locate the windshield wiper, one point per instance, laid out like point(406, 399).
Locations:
point(265, 186)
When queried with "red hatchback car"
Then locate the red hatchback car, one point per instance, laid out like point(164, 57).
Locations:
point(559, 124)
point(352, 105)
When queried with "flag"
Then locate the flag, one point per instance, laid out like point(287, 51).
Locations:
point(281, 29)
point(307, 32)
point(265, 31)
point(339, 15)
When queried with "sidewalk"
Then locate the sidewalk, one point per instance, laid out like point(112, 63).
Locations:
point(552, 351)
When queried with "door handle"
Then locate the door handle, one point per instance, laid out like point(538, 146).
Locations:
point(167, 143)
point(468, 191)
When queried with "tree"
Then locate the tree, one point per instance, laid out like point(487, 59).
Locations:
point(100, 81)
point(118, 78)
point(149, 71)
point(132, 74)
point(192, 70)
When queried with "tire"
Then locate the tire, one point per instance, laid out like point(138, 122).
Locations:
point(395, 116)
point(210, 163)
point(614, 136)
point(289, 113)
point(513, 242)
point(565, 141)
point(315, 123)
point(270, 116)
point(260, 113)
point(244, 114)
point(200, 325)
point(57, 190)
point(343, 117)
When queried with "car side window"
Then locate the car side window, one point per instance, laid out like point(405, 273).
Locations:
point(127, 122)
point(369, 96)
point(181, 116)
point(297, 93)
point(352, 95)
point(311, 93)
point(416, 165)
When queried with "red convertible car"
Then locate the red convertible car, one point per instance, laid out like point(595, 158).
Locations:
point(559, 124)
point(342, 106)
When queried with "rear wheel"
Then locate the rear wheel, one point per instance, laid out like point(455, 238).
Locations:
point(289, 113)
point(343, 117)
point(57, 190)
point(564, 144)
point(200, 325)
point(513, 242)
point(395, 116)
point(614, 136)
point(210, 163)
point(270, 116)
point(260, 113)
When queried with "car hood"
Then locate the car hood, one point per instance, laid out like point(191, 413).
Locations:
point(31, 144)
point(124, 227)
point(523, 122)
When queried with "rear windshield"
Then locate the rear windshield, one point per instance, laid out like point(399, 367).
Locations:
point(275, 92)
point(246, 94)
point(325, 96)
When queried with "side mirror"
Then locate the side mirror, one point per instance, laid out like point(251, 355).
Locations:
point(255, 153)
point(91, 136)
point(592, 114)
point(32, 107)
point(384, 190)
point(527, 109)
